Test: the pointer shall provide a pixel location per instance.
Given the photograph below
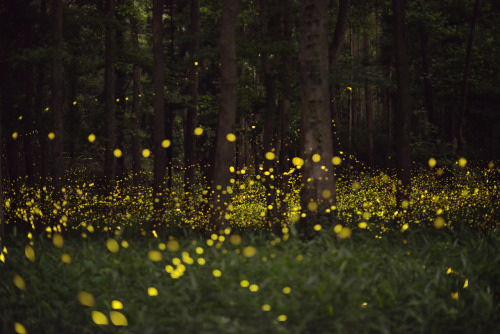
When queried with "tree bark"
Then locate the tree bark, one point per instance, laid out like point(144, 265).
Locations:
point(109, 97)
point(136, 114)
point(465, 80)
point(57, 97)
point(285, 106)
point(318, 184)
point(224, 149)
point(159, 119)
point(192, 110)
point(269, 115)
point(403, 110)
point(368, 99)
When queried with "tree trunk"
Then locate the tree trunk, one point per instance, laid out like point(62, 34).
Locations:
point(403, 111)
point(285, 106)
point(57, 97)
point(465, 80)
point(136, 114)
point(318, 189)
point(224, 148)
point(159, 119)
point(109, 97)
point(269, 116)
point(368, 99)
point(426, 65)
point(192, 110)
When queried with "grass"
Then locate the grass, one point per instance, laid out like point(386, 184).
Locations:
point(417, 282)
point(99, 272)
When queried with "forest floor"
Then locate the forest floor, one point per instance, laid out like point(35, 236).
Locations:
point(100, 273)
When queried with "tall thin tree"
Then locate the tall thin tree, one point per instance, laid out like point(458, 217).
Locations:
point(318, 184)
point(189, 136)
point(224, 147)
point(57, 96)
point(109, 95)
point(159, 118)
point(403, 110)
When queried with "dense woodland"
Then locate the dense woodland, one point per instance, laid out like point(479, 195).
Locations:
point(191, 97)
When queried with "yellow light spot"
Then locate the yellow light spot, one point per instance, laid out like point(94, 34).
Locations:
point(195, 63)
point(155, 256)
point(466, 283)
point(231, 137)
point(199, 250)
point(201, 261)
point(19, 282)
point(312, 206)
point(349, 88)
point(15, 135)
point(86, 299)
point(173, 245)
point(116, 305)
point(454, 295)
point(58, 240)
point(19, 328)
point(235, 239)
point(118, 319)
point(112, 245)
point(366, 215)
point(270, 155)
point(344, 233)
point(217, 273)
point(316, 157)
point(117, 153)
point(317, 227)
point(253, 288)
point(266, 307)
point(362, 225)
point(286, 290)
point(462, 162)
point(99, 318)
point(20, 118)
point(249, 251)
point(326, 193)
point(166, 143)
point(491, 164)
point(198, 131)
point(51, 135)
point(66, 258)
point(282, 318)
point(336, 160)
point(449, 271)
point(124, 244)
point(404, 227)
point(299, 162)
point(432, 162)
point(439, 222)
point(74, 103)
point(146, 153)
point(152, 291)
point(91, 138)
point(30, 253)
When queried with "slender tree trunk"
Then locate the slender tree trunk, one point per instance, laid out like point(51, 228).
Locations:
point(368, 100)
point(189, 136)
point(284, 152)
point(269, 116)
point(159, 119)
point(318, 189)
point(57, 97)
point(426, 65)
point(224, 148)
point(120, 91)
point(403, 110)
point(109, 97)
point(136, 114)
point(465, 80)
